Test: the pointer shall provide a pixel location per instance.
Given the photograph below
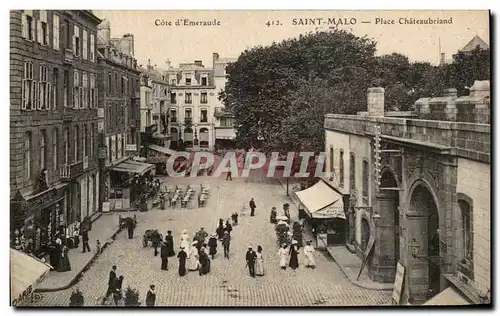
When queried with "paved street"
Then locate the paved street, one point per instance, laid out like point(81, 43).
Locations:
point(228, 283)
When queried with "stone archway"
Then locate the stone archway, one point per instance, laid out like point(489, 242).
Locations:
point(365, 233)
point(426, 231)
point(388, 227)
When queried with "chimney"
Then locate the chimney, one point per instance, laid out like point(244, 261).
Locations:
point(442, 61)
point(375, 100)
point(198, 63)
point(104, 31)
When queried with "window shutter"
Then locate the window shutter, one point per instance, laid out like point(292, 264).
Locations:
point(39, 96)
point(95, 98)
point(34, 104)
point(24, 23)
point(48, 97)
point(23, 93)
point(39, 31)
point(80, 91)
point(74, 44)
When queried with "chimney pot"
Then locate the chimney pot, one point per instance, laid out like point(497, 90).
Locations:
point(375, 101)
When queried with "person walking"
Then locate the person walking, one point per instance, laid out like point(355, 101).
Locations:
point(294, 258)
point(250, 258)
point(220, 229)
point(182, 262)
point(259, 263)
point(117, 294)
point(156, 240)
point(273, 215)
point(151, 296)
point(111, 281)
point(130, 228)
point(193, 258)
point(226, 241)
point(252, 207)
point(185, 239)
point(204, 262)
point(85, 241)
point(164, 256)
point(64, 264)
point(201, 236)
point(283, 254)
point(212, 244)
point(309, 254)
point(228, 176)
point(169, 239)
point(228, 228)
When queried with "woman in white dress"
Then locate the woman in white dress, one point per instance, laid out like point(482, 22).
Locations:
point(309, 254)
point(283, 253)
point(193, 257)
point(259, 263)
point(185, 239)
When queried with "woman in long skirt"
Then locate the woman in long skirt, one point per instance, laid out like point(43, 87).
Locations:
point(182, 262)
point(204, 262)
point(309, 254)
point(212, 244)
point(64, 265)
point(283, 253)
point(193, 261)
point(259, 263)
point(185, 239)
point(220, 229)
point(294, 258)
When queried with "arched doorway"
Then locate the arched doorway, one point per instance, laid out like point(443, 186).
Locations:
point(365, 233)
point(422, 202)
point(388, 203)
point(204, 137)
point(174, 136)
point(188, 137)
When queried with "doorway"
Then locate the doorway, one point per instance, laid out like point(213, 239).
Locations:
point(365, 233)
point(388, 200)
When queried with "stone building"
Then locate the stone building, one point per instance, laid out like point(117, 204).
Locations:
point(419, 184)
point(192, 103)
point(53, 122)
point(119, 83)
point(225, 132)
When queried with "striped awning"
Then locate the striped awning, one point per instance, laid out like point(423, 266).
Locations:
point(131, 166)
point(321, 201)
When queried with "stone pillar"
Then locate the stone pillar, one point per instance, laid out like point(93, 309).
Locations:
point(422, 108)
point(450, 110)
point(375, 101)
point(443, 108)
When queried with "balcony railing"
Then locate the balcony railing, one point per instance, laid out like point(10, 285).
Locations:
point(68, 172)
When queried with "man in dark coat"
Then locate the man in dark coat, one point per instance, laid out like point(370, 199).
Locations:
point(201, 236)
point(226, 240)
point(250, 257)
point(85, 240)
point(54, 253)
point(252, 207)
point(155, 240)
point(182, 255)
point(170, 244)
point(212, 244)
point(130, 228)
point(228, 228)
point(151, 296)
point(164, 256)
point(111, 281)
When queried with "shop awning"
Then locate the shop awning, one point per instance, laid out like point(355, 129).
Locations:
point(25, 272)
point(449, 297)
point(132, 166)
point(163, 150)
point(321, 201)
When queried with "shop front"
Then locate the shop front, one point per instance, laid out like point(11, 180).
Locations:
point(38, 220)
point(159, 155)
point(324, 210)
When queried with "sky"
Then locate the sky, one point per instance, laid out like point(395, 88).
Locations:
point(239, 30)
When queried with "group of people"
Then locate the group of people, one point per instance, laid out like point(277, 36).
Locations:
point(58, 256)
point(114, 286)
point(292, 255)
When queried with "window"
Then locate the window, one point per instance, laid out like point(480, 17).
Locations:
point(332, 167)
point(173, 98)
point(84, 91)
point(43, 150)
point(91, 150)
point(173, 116)
point(27, 155)
point(188, 113)
point(352, 173)
point(42, 28)
point(188, 81)
point(109, 83)
point(76, 90)
point(76, 41)
point(84, 142)
point(55, 87)
point(66, 88)
point(92, 47)
point(465, 208)
point(173, 82)
point(28, 88)
point(55, 141)
point(226, 122)
point(341, 168)
point(203, 98)
point(68, 34)
point(204, 81)
point(122, 85)
point(28, 27)
point(76, 138)
point(85, 46)
point(93, 92)
point(116, 83)
point(204, 116)
point(188, 98)
point(55, 32)
point(44, 88)
point(366, 179)
point(66, 146)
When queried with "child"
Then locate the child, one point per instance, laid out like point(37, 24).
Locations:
point(98, 247)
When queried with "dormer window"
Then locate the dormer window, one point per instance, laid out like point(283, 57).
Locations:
point(204, 81)
point(188, 81)
point(173, 82)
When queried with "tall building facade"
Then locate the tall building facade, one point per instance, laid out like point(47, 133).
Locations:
point(53, 123)
point(225, 132)
point(119, 113)
point(192, 102)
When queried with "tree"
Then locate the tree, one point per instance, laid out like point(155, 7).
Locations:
point(468, 67)
point(132, 297)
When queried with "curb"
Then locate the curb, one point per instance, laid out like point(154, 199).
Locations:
point(87, 266)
